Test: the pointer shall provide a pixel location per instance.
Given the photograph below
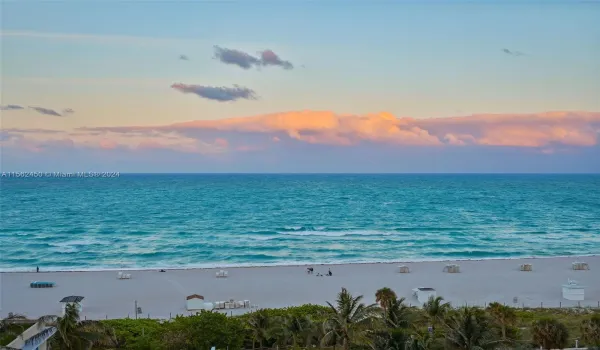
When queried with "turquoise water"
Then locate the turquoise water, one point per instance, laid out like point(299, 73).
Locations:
point(148, 221)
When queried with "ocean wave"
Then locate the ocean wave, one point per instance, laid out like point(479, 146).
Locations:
point(279, 220)
point(335, 233)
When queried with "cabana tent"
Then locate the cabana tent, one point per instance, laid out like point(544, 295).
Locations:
point(526, 267)
point(452, 268)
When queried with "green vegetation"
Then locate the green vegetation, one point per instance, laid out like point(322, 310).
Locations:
point(345, 324)
point(11, 327)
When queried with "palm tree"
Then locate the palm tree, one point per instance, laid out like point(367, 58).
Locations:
point(397, 314)
point(436, 310)
point(351, 321)
point(590, 329)
point(261, 327)
point(71, 332)
point(384, 296)
point(420, 341)
point(469, 329)
point(503, 316)
point(329, 338)
point(297, 330)
point(550, 334)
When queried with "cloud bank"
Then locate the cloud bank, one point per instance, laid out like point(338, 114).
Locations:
point(217, 93)
point(245, 60)
point(325, 141)
point(578, 129)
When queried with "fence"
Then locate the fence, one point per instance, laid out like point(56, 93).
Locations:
point(158, 317)
point(576, 306)
point(567, 304)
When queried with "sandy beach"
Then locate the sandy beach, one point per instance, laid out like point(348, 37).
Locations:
point(162, 294)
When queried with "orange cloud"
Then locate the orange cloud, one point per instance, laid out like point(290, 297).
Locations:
point(545, 131)
point(520, 130)
point(323, 127)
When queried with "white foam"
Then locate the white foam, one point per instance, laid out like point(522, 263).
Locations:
point(284, 263)
point(337, 233)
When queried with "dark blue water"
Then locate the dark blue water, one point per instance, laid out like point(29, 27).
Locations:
point(205, 220)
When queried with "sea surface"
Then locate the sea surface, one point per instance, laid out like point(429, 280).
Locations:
point(191, 220)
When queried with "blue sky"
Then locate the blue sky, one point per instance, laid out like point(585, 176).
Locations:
point(113, 62)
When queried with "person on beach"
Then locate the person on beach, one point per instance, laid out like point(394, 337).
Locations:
point(37, 269)
point(329, 273)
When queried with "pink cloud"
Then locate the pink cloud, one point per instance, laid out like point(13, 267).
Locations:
point(324, 127)
point(221, 142)
point(536, 130)
point(520, 130)
point(107, 144)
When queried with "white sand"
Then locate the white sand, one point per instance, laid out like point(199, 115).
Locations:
point(161, 294)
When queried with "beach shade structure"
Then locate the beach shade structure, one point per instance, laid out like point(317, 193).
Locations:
point(526, 267)
point(123, 276)
point(424, 293)
point(452, 268)
point(221, 274)
point(38, 284)
point(573, 291)
point(580, 265)
point(403, 269)
point(197, 302)
point(72, 299)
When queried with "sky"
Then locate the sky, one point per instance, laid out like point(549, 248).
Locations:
point(300, 86)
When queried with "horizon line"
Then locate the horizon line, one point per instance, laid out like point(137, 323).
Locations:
point(30, 174)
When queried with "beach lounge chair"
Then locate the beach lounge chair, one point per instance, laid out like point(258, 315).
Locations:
point(38, 284)
point(526, 267)
point(123, 276)
point(452, 268)
point(221, 274)
point(403, 269)
point(580, 265)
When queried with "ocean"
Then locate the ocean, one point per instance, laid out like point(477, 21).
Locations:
point(202, 220)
